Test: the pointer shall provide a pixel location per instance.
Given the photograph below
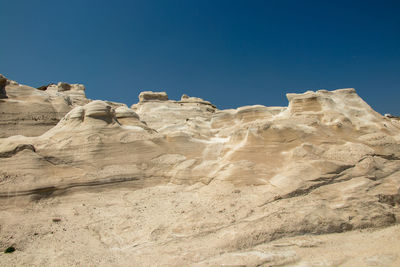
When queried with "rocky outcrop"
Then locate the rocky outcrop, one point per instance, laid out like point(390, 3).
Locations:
point(169, 115)
point(29, 111)
point(152, 96)
point(3, 83)
point(187, 99)
point(183, 183)
point(75, 92)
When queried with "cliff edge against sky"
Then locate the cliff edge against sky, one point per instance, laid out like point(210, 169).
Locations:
point(180, 182)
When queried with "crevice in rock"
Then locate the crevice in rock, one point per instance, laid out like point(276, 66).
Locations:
point(18, 148)
point(389, 199)
point(55, 161)
point(44, 192)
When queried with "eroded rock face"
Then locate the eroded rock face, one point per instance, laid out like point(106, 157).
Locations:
point(29, 111)
point(75, 92)
point(223, 186)
point(3, 83)
point(170, 115)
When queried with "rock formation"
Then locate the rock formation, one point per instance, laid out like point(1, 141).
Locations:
point(3, 83)
point(177, 183)
point(31, 112)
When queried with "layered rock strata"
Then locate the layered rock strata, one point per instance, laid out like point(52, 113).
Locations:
point(31, 112)
point(195, 185)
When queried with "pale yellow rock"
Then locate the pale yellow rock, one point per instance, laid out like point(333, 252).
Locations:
point(76, 92)
point(181, 183)
point(31, 112)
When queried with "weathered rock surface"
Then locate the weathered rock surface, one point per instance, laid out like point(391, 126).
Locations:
point(75, 92)
point(31, 112)
point(182, 183)
point(3, 83)
point(152, 96)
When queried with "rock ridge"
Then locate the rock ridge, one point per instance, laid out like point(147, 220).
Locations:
point(171, 183)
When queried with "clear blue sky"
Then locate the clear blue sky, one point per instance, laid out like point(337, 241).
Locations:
point(232, 53)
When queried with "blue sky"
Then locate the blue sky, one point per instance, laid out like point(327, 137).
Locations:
point(232, 53)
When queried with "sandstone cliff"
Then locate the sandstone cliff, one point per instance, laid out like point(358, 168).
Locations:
point(28, 111)
point(170, 182)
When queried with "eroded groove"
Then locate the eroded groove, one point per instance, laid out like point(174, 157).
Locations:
point(56, 161)
point(388, 157)
point(44, 192)
point(325, 180)
point(306, 191)
point(16, 150)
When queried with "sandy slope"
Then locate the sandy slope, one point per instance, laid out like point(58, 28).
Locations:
point(175, 226)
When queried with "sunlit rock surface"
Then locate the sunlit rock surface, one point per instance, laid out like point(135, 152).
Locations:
point(31, 112)
point(178, 183)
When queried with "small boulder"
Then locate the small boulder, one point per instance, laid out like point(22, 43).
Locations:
point(44, 87)
point(64, 86)
point(186, 98)
point(390, 116)
point(153, 96)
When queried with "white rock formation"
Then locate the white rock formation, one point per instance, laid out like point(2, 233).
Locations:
point(75, 92)
point(31, 112)
point(178, 183)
